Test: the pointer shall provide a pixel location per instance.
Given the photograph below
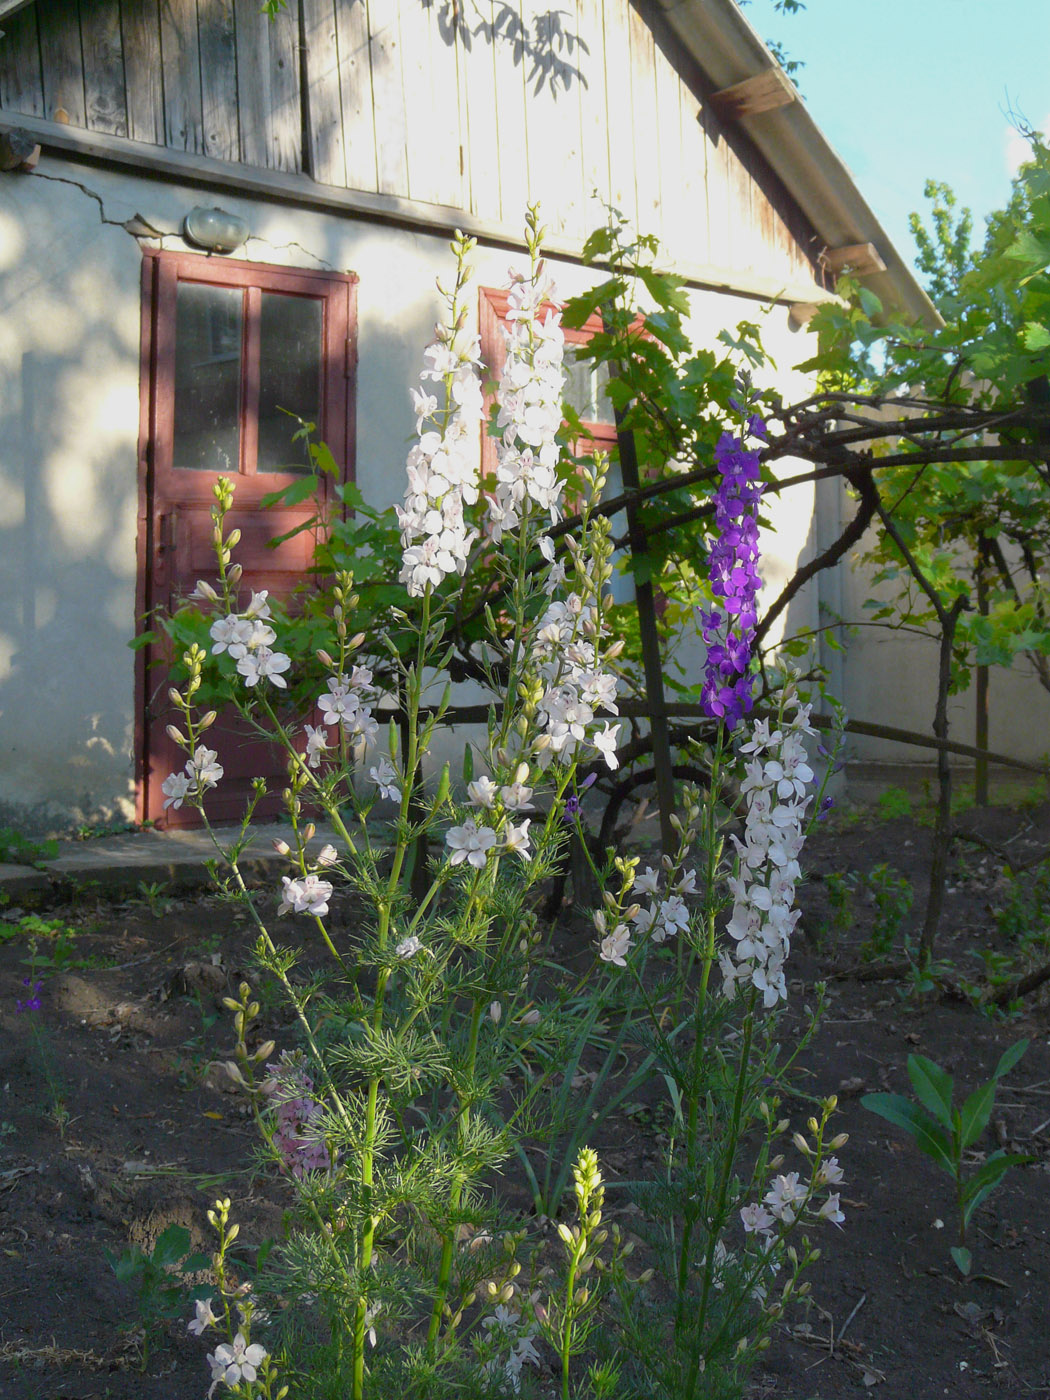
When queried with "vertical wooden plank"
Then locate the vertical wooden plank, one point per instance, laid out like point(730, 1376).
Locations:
point(180, 65)
point(646, 143)
point(622, 193)
point(484, 152)
point(324, 114)
point(62, 64)
point(741, 230)
point(143, 73)
point(353, 18)
point(268, 86)
point(594, 121)
point(21, 86)
point(428, 63)
point(718, 217)
point(695, 152)
point(508, 55)
point(388, 96)
point(218, 58)
point(105, 99)
point(553, 116)
point(678, 237)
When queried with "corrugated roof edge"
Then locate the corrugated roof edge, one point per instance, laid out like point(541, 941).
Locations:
point(729, 50)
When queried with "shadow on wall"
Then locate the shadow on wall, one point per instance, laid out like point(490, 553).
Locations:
point(552, 49)
point(66, 692)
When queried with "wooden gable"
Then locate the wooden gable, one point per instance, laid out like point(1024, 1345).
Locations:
point(479, 107)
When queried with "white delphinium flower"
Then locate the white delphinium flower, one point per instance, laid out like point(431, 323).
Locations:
point(205, 1318)
point(327, 855)
point(830, 1173)
point(307, 895)
point(176, 788)
point(470, 842)
point(236, 1361)
point(647, 883)
point(482, 793)
point(316, 745)
point(264, 664)
point(409, 947)
point(784, 1195)
point(346, 702)
point(756, 1219)
point(615, 946)
point(385, 777)
point(516, 797)
point(229, 632)
point(516, 839)
point(830, 1210)
point(764, 917)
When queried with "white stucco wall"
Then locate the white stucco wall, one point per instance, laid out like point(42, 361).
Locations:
point(69, 421)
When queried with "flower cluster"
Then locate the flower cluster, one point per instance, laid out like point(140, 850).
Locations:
point(530, 406)
point(728, 632)
point(666, 912)
point(236, 1361)
point(296, 1138)
point(775, 789)
point(443, 464)
point(202, 772)
point(789, 1196)
point(248, 638)
point(566, 651)
point(506, 1328)
point(346, 702)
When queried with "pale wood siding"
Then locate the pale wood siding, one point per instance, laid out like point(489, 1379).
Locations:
point(482, 107)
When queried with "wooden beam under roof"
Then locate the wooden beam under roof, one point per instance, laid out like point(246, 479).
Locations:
point(861, 258)
point(762, 92)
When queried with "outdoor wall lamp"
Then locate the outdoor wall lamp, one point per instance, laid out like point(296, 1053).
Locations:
point(215, 230)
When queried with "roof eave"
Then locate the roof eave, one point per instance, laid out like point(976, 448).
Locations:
point(728, 49)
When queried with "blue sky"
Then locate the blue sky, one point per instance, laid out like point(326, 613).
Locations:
point(907, 90)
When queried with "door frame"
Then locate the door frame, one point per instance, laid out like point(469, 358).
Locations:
point(156, 361)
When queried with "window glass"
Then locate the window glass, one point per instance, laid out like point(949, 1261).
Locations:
point(289, 378)
point(209, 338)
point(586, 387)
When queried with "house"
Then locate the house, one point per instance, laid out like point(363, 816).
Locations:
point(147, 343)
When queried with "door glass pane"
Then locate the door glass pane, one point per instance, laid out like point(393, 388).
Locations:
point(585, 388)
point(208, 347)
point(289, 378)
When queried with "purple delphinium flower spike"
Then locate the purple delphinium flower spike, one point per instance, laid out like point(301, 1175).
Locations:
point(32, 1001)
point(729, 631)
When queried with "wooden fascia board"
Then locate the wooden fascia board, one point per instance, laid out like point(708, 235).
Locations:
point(194, 170)
point(11, 7)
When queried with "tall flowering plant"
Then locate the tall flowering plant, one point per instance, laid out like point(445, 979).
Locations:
point(423, 1054)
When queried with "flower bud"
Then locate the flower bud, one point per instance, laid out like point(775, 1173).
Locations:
point(176, 736)
point(813, 1126)
point(206, 721)
point(264, 1051)
point(281, 847)
point(234, 1072)
point(230, 1004)
point(495, 1012)
point(802, 1145)
point(646, 1275)
point(831, 1103)
point(564, 1233)
point(355, 641)
point(506, 1293)
point(782, 1126)
point(234, 573)
point(324, 658)
point(175, 697)
point(777, 1162)
point(309, 831)
point(632, 911)
point(840, 1141)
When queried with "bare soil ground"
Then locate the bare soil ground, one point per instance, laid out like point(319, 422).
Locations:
point(115, 1122)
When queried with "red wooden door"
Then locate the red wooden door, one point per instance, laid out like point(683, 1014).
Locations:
point(231, 349)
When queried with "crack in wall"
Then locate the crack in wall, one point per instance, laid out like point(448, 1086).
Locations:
point(139, 227)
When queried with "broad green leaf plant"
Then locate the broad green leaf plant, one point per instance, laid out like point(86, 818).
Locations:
point(945, 1131)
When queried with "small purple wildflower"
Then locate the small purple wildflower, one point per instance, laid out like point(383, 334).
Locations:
point(825, 807)
point(729, 631)
point(571, 806)
point(32, 1001)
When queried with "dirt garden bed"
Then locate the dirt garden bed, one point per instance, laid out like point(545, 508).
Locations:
point(116, 1122)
